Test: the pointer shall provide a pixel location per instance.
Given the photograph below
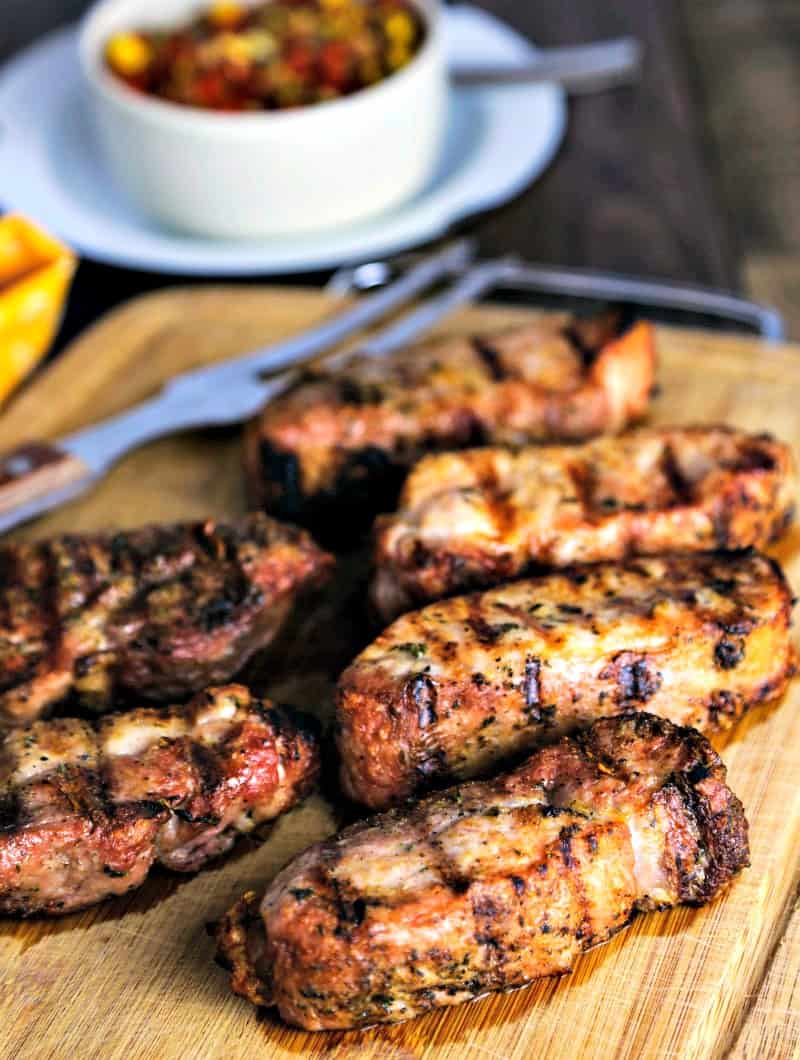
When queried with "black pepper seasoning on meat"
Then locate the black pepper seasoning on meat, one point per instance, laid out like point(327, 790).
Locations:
point(729, 653)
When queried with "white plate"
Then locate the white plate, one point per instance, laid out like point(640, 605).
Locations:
point(499, 140)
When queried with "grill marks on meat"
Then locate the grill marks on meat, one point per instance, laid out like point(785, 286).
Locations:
point(158, 612)
point(695, 638)
point(86, 809)
point(491, 358)
point(346, 439)
point(490, 885)
point(473, 519)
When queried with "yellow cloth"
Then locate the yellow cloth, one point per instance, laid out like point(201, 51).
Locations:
point(35, 274)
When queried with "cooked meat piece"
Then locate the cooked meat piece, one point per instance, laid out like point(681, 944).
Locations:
point(451, 691)
point(478, 518)
point(86, 809)
point(490, 885)
point(159, 612)
point(342, 441)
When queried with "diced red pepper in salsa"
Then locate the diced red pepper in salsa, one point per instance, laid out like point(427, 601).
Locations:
point(279, 54)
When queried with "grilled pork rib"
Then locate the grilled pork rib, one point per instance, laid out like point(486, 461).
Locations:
point(490, 885)
point(344, 440)
point(452, 690)
point(474, 519)
point(86, 809)
point(158, 612)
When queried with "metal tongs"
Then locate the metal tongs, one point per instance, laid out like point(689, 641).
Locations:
point(39, 476)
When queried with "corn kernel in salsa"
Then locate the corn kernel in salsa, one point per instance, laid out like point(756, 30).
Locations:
point(276, 55)
point(129, 54)
point(225, 14)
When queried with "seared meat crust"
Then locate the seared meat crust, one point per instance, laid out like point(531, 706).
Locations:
point(87, 809)
point(490, 885)
point(157, 612)
point(452, 690)
point(474, 519)
point(343, 440)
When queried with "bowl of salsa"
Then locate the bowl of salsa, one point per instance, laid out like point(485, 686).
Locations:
point(237, 120)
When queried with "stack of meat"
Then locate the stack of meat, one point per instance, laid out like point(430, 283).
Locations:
point(588, 604)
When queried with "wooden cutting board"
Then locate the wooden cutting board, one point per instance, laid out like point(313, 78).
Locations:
point(136, 978)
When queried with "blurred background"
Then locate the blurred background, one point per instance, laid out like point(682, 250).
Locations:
point(692, 174)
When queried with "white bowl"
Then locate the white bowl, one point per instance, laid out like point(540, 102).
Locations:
point(276, 173)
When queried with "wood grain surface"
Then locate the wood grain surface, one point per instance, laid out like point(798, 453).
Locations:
point(136, 978)
point(772, 1025)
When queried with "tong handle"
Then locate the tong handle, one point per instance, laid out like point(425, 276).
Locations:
point(648, 294)
point(597, 286)
point(37, 470)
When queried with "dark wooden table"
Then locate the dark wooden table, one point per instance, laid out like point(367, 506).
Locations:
point(650, 179)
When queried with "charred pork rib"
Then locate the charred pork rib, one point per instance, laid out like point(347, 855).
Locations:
point(473, 519)
point(158, 612)
point(453, 690)
point(87, 808)
point(490, 885)
point(340, 443)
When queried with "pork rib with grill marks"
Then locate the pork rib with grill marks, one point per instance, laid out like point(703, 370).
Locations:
point(490, 885)
point(342, 441)
point(474, 519)
point(459, 687)
point(159, 612)
point(87, 809)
